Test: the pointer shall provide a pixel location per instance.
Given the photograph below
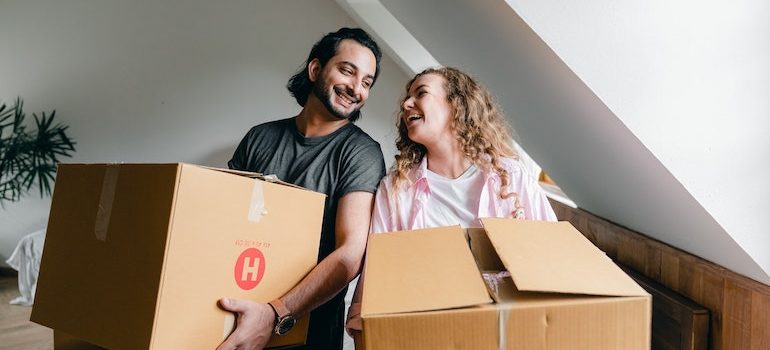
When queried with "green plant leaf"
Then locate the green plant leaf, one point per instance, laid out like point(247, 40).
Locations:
point(29, 158)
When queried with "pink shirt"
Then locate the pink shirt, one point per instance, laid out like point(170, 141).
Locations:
point(407, 209)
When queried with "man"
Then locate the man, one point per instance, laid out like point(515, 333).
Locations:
point(322, 150)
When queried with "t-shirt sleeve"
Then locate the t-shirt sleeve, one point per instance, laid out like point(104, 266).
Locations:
point(240, 158)
point(362, 171)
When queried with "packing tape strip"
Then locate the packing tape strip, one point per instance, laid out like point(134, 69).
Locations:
point(107, 197)
point(257, 208)
point(502, 323)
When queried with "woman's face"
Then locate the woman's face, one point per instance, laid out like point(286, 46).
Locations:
point(427, 112)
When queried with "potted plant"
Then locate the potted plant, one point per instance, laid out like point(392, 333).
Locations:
point(29, 153)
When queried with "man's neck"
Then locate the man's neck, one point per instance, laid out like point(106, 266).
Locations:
point(315, 120)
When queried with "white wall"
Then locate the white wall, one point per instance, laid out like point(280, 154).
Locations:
point(691, 80)
point(170, 81)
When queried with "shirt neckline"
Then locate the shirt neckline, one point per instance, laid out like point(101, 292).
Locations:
point(470, 172)
point(314, 140)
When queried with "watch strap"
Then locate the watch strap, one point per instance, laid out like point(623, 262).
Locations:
point(280, 309)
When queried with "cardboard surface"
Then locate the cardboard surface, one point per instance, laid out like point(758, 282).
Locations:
point(63, 341)
point(137, 255)
point(562, 315)
point(467, 328)
point(429, 269)
point(96, 288)
point(555, 257)
point(586, 323)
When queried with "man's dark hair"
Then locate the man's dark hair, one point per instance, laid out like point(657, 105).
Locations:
point(300, 85)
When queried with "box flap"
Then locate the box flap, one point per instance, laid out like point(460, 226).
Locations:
point(249, 174)
point(556, 257)
point(421, 270)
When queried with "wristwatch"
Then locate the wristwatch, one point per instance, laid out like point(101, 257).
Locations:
point(284, 320)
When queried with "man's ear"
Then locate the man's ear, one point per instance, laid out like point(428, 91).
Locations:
point(313, 69)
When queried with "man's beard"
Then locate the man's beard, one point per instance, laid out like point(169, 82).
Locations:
point(320, 90)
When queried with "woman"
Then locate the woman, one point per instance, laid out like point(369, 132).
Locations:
point(455, 164)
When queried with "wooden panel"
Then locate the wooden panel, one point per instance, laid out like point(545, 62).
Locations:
point(690, 277)
point(713, 294)
point(739, 306)
point(669, 270)
point(736, 316)
point(677, 322)
point(631, 251)
point(760, 321)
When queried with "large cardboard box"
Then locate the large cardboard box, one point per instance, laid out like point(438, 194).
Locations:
point(425, 289)
point(137, 255)
point(63, 341)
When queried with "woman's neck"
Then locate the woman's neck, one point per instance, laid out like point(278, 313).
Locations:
point(447, 161)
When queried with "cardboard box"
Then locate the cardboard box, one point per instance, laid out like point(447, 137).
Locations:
point(64, 341)
point(424, 290)
point(137, 255)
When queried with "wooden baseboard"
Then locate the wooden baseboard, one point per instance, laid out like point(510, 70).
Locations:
point(739, 306)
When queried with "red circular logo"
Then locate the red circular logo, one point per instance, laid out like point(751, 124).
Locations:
point(249, 268)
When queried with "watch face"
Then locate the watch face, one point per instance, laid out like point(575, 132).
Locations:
point(285, 324)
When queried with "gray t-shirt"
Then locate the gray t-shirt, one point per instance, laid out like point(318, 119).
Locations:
point(344, 161)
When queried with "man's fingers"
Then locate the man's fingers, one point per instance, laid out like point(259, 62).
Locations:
point(234, 305)
point(230, 343)
point(251, 331)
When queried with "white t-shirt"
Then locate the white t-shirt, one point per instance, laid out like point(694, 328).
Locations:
point(454, 201)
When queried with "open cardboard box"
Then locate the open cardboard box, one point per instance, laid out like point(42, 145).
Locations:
point(424, 289)
point(137, 255)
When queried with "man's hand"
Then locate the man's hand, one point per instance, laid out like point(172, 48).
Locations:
point(253, 326)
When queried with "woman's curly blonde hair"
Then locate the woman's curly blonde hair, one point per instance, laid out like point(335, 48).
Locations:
point(478, 124)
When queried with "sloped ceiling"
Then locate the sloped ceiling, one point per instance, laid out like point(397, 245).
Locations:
point(562, 123)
